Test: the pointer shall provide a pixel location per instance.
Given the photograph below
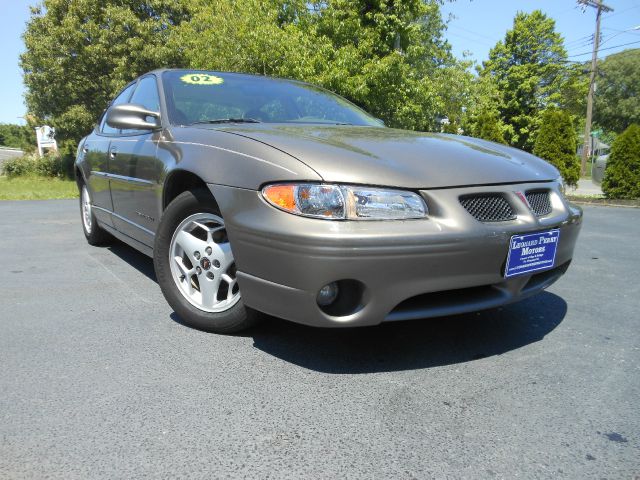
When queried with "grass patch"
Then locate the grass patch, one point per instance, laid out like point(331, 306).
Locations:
point(34, 187)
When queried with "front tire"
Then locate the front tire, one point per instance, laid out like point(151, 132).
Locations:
point(195, 267)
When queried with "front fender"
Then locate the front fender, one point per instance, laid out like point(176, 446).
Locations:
point(222, 158)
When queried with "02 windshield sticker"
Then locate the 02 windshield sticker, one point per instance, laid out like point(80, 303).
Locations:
point(201, 79)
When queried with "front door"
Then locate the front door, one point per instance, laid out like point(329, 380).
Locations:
point(135, 180)
point(96, 154)
point(135, 172)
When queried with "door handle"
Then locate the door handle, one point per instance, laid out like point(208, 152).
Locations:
point(85, 148)
point(113, 152)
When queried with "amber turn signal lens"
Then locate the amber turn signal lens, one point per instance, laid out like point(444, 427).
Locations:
point(281, 195)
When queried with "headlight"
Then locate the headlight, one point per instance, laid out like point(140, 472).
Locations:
point(344, 202)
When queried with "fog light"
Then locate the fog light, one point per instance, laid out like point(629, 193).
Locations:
point(328, 294)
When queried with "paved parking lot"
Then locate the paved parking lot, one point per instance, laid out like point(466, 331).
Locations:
point(99, 379)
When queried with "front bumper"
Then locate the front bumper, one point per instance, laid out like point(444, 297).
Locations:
point(445, 264)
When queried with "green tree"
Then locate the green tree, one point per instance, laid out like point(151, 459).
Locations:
point(79, 53)
point(488, 126)
point(556, 143)
point(397, 62)
point(254, 36)
point(622, 175)
point(617, 99)
point(17, 136)
point(389, 57)
point(530, 71)
point(482, 115)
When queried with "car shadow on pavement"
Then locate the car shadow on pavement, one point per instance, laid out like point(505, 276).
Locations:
point(413, 344)
point(395, 346)
point(133, 257)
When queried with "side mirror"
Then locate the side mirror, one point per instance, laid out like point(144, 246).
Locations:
point(132, 116)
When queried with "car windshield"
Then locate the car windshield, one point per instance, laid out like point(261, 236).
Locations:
point(210, 97)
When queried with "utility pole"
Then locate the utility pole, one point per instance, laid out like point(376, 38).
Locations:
point(586, 149)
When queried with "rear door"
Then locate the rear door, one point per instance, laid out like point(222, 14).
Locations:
point(135, 172)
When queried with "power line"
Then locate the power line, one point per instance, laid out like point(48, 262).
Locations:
point(619, 31)
point(580, 40)
point(633, 30)
point(622, 11)
point(579, 46)
point(603, 49)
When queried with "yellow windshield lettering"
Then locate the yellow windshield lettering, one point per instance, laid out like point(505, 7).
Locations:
point(201, 79)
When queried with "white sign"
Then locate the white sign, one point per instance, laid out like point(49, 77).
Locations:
point(46, 139)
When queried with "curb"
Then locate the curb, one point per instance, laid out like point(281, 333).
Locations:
point(602, 204)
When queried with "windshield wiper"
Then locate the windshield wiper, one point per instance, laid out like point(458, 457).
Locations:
point(227, 120)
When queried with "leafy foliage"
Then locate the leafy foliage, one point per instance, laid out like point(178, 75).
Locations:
point(556, 143)
point(622, 175)
point(530, 71)
point(49, 165)
point(80, 53)
point(482, 118)
point(617, 101)
point(388, 57)
point(489, 126)
point(17, 136)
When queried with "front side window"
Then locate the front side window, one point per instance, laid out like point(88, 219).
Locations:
point(146, 94)
point(208, 96)
point(120, 99)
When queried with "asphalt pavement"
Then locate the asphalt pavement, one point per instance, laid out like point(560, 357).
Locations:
point(99, 379)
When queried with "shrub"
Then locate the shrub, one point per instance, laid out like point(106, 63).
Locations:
point(488, 126)
point(67, 151)
point(50, 165)
point(622, 175)
point(556, 143)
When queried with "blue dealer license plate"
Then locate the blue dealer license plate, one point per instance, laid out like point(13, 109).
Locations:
point(532, 252)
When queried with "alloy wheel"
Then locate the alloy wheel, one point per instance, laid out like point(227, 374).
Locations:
point(86, 209)
point(202, 264)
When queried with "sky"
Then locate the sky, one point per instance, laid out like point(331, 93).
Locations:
point(474, 27)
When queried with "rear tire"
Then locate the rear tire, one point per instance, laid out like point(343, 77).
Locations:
point(94, 234)
point(195, 267)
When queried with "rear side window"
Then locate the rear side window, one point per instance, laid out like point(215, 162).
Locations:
point(122, 98)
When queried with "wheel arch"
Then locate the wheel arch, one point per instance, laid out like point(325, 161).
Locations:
point(79, 176)
point(179, 181)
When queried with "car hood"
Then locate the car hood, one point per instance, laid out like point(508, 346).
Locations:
point(386, 156)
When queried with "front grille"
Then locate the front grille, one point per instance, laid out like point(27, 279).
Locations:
point(539, 202)
point(491, 207)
